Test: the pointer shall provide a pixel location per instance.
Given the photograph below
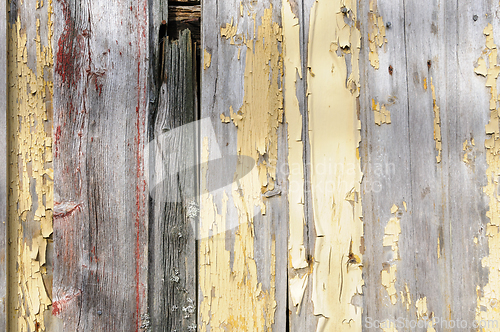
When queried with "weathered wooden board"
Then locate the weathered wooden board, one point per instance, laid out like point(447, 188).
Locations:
point(100, 131)
point(299, 99)
point(30, 199)
point(242, 246)
point(445, 217)
point(385, 155)
point(301, 309)
point(172, 238)
point(3, 164)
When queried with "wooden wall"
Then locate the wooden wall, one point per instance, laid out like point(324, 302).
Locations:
point(338, 165)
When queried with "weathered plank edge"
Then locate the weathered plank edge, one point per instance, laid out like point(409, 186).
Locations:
point(3, 163)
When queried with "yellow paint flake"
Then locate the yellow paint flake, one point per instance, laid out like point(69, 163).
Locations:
point(229, 31)
point(376, 34)
point(224, 118)
point(487, 296)
point(421, 306)
point(31, 175)
point(233, 297)
point(425, 83)
point(334, 130)
point(380, 113)
point(390, 240)
point(408, 297)
point(389, 281)
point(207, 59)
point(437, 124)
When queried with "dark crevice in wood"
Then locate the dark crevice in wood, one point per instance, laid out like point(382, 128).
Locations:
point(181, 17)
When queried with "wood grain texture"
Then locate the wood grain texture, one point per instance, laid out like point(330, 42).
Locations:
point(385, 156)
point(239, 234)
point(445, 218)
point(3, 164)
point(172, 239)
point(100, 132)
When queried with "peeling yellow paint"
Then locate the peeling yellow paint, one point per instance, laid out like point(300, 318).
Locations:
point(408, 297)
point(437, 124)
point(421, 306)
point(334, 130)
point(390, 240)
point(31, 176)
point(389, 282)
point(468, 148)
point(380, 113)
point(487, 296)
point(207, 59)
point(425, 83)
point(229, 31)
point(292, 68)
point(376, 34)
point(422, 313)
point(224, 118)
point(232, 291)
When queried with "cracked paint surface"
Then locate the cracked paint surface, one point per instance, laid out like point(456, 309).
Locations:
point(333, 88)
point(30, 174)
point(488, 67)
point(230, 288)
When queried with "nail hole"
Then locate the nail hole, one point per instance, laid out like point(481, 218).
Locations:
point(390, 70)
point(429, 63)
point(474, 18)
point(388, 24)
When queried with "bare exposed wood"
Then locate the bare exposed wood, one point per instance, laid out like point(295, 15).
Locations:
point(385, 155)
point(100, 134)
point(3, 164)
point(172, 246)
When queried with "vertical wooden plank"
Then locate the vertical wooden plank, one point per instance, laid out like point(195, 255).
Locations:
point(3, 164)
point(242, 249)
point(443, 228)
point(386, 164)
point(30, 198)
point(172, 247)
point(477, 118)
point(100, 132)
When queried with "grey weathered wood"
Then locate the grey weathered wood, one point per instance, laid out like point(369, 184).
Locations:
point(3, 164)
point(172, 239)
point(222, 88)
point(100, 131)
point(447, 36)
point(386, 163)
